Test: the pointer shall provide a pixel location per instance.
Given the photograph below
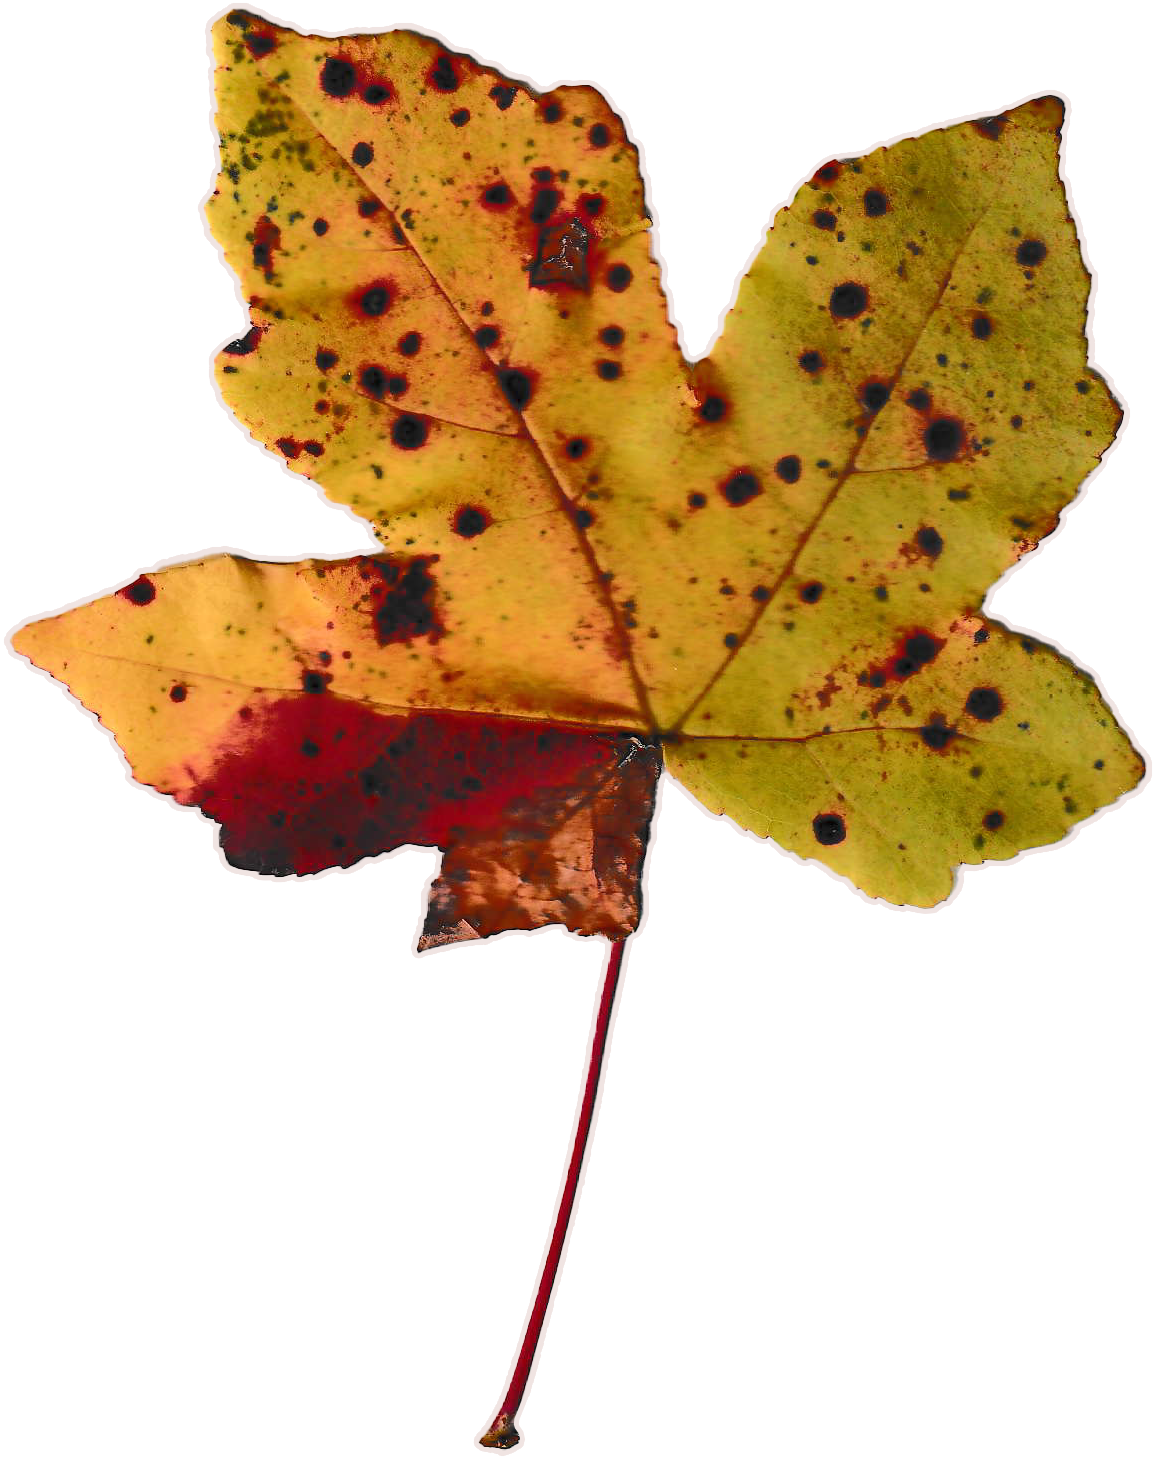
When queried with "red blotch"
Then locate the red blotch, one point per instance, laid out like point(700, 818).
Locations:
point(314, 782)
point(914, 649)
point(266, 244)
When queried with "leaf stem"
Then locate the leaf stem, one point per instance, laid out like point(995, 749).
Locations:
point(502, 1433)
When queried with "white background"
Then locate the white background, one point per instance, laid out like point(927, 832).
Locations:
point(867, 1185)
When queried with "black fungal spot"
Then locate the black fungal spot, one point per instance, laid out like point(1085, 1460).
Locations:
point(460, 116)
point(470, 521)
point(824, 219)
point(373, 380)
point(338, 77)
point(576, 447)
point(498, 196)
point(713, 409)
point(760, 593)
point(937, 734)
point(981, 327)
point(993, 819)
point(880, 592)
point(740, 488)
point(409, 431)
point(314, 682)
point(552, 112)
point(920, 400)
point(244, 344)
point(811, 592)
point(503, 96)
point(875, 395)
point(487, 336)
point(697, 500)
point(516, 386)
point(375, 300)
point(730, 640)
point(599, 135)
point(409, 344)
point(543, 204)
point(1084, 388)
point(320, 227)
point(874, 203)
point(362, 154)
point(957, 495)
point(984, 704)
point(376, 93)
point(789, 468)
point(141, 592)
point(309, 749)
point(930, 541)
point(810, 361)
point(369, 207)
point(918, 651)
point(1030, 252)
point(442, 75)
point(618, 277)
point(612, 335)
point(829, 828)
point(177, 693)
point(848, 300)
point(584, 518)
point(1017, 421)
point(608, 371)
point(943, 439)
point(981, 635)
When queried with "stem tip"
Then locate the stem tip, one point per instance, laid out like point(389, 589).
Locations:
point(503, 1434)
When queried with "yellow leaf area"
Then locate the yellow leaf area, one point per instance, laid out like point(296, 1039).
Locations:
point(771, 562)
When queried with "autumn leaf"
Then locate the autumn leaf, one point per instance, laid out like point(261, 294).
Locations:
point(769, 564)
point(766, 568)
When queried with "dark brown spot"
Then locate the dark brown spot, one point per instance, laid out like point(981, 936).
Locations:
point(848, 300)
point(930, 541)
point(789, 468)
point(984, 704)
point(409, 431)
point(1030, 252)
point(829, 828)
point(338, 77)
point(740, 488)
point(469, 520)
point(943, 439)
point(141, 592)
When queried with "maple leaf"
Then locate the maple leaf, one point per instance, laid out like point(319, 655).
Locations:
point(769, 565)
point(766, 568)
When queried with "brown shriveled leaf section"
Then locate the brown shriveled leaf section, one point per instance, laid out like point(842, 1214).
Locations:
point(767, 567)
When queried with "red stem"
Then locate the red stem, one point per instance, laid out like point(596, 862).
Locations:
point(502, 1434)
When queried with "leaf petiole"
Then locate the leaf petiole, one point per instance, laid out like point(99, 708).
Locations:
point(502, 1433)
